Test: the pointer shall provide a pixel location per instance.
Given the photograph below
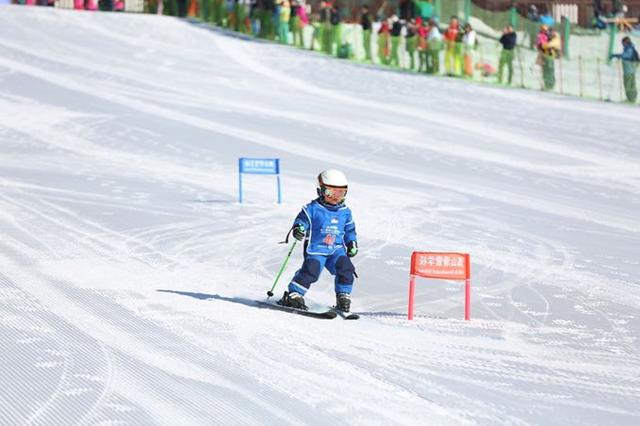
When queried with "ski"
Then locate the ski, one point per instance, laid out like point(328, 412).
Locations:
point(346, 315)
point(330, 314)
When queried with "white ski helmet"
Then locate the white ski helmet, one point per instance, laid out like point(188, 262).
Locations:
point(332, 178)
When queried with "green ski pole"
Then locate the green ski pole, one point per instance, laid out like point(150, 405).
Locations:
point(284, 265)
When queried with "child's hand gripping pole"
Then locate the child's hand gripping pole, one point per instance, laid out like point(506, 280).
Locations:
point(284, 265)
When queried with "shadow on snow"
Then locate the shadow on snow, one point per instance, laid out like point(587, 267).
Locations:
point(206, 296)
point(254, 304)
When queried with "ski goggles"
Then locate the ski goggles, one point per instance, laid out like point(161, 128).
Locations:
point(334, 192)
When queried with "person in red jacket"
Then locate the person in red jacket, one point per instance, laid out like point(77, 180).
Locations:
point(422, 31)
point(384, 43)
point(450, 37)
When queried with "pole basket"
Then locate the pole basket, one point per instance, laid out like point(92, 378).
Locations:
point(443, 266)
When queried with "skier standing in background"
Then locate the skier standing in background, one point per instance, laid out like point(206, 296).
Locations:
point(434, 46)
point(630, 61)
point(284, 15)
point(325, 26)
point(329, 233)
point(422, 31)
point(396, 30)
point(469, 42)
point(365, 22)
point(508, 41)
point(411, 42)
point(384, 37)
point(550, 50)
point(541, 41)
point(298, 21)
point(336, 28)
point(450, 37)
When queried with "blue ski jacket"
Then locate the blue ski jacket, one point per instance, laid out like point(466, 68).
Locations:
point(630, 59)
point(329, 227)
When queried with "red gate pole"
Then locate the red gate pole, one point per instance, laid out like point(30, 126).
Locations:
point(467, 299)
point(412, 292)
point(467, 289)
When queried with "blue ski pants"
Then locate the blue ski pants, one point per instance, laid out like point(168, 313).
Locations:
point(338, 264)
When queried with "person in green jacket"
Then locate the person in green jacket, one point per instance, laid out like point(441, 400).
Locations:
point(283, 25)
point(236, 15)
point(241, 15)
point(425, 9)
point(326, 34)
point(266, 21)
point(218, 12)
point(336, 29)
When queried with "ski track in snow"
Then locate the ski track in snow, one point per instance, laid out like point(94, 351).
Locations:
point(129, 271)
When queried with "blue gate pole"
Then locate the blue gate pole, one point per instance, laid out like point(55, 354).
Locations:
point(240, 187)
point(279, 190)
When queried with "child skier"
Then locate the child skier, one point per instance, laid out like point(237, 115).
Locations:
point(329, 232)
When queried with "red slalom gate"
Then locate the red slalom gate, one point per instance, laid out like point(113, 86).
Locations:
point(443, 266)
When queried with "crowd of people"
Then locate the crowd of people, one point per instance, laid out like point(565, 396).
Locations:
point(430, 47)
point(103, 5)
point(413, 20)
point(602, 13)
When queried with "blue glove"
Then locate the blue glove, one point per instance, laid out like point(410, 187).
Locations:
point(299, 232)
point(352, 248)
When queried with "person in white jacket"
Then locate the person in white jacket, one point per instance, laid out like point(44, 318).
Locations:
point(434, 46)
point(469, 42)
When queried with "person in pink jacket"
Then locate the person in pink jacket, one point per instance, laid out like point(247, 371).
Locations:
point(298, 21)
point(545, 61)
point(542, 37)
point(302, 14)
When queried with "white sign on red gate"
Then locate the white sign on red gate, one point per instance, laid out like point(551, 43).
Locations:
point(443, 266)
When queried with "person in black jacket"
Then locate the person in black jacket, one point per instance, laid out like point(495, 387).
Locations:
point(365, 21)
point(336, 29)
point(182, 8)
point(508, 41)
point(396, 30)
point(406, 10)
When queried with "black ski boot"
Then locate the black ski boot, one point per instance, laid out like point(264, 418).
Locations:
point(293, 300)
point(343, 302)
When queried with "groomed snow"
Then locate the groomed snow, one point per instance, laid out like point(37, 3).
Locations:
point(128, 269)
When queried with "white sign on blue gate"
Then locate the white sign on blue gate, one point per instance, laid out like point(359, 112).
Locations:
point(259, 166)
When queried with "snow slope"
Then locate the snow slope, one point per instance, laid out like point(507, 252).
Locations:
point(128, 269)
